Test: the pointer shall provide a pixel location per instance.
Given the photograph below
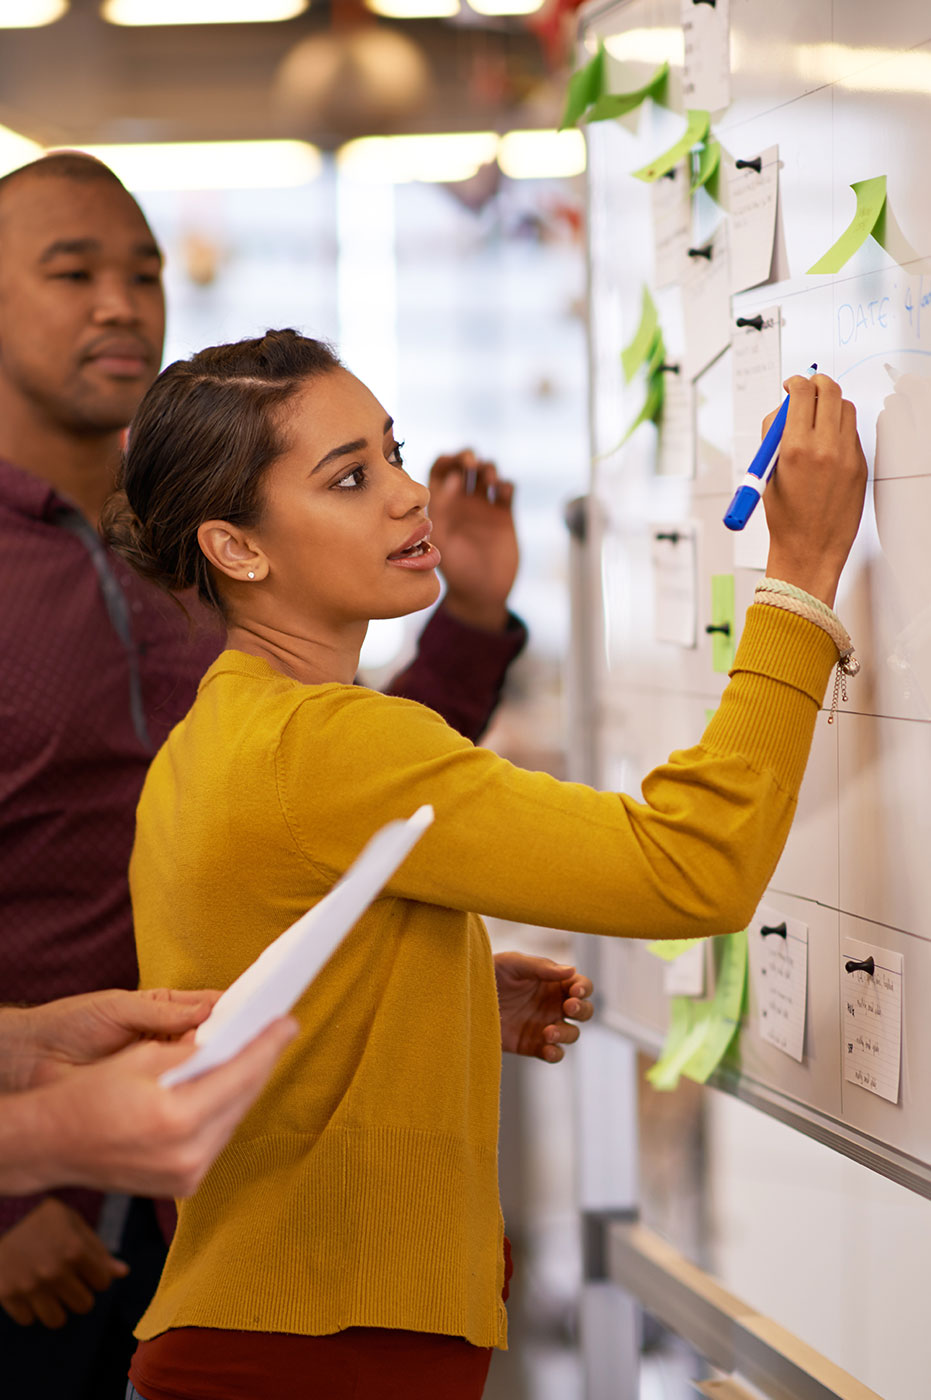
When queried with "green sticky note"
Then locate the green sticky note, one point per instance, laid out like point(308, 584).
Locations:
point(634, 354)
point(671, 948)
point(723, 1013)
point(618, 104)
point(656, 355)
point(709, 159)
point(585, 87)
point(652, 406)
point(696, 130)
point(871, 199)
point(723, 643)
point(682, 1040)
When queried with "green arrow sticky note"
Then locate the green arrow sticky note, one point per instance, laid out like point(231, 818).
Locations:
point(723, 608)
point(709, 159)
point(696, 130)
point(585, 87)
point(643, 343)
point(871, 199)
point(670, 948)
point(656, 355)
point(618, 104)
point(723, 1013)
point(682, 1040)
point(652, 406)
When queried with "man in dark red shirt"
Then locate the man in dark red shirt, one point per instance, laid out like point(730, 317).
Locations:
point(97, 666)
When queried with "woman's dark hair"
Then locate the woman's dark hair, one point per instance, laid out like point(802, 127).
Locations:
point(202, 439)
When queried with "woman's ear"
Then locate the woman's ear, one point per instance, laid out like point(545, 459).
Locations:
point(231, 550)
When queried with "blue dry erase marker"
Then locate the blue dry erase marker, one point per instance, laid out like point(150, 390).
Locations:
point(759, 471)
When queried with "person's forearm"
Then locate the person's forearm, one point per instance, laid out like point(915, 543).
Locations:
point(30, 1144)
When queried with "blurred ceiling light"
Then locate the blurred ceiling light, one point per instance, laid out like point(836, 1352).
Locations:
point(397, 160)
point(660, 45)
point(414, 9)
point(30, 14)
point(144, 12)
point(541, 155)
point(211, 165)
point(505, 7)
point(16, 150)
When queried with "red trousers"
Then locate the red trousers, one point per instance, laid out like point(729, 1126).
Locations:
point(361, 1363)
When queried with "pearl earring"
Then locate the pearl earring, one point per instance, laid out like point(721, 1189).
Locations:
point(251, 573)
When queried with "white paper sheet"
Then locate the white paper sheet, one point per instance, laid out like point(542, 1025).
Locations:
point(675, 591)
point(756, 363)
point(779, 968)
point(872, 1008)
point(672, 225)
point(685, 975)
point(706, 77)
point(752, 197)
point(675, 453)
point(706, 304)
point(283, 971)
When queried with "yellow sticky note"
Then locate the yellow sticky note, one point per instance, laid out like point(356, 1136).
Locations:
point(697, 124)
point(723, 623)
point(871, 200)
point(644, 338)
point(682, 1040)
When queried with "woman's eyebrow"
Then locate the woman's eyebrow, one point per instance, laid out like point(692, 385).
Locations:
point(343, 451)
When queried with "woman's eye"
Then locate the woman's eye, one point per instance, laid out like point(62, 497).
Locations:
point(352, 481)
point(394, 456)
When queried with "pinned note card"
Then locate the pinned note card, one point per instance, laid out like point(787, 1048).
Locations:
point(752, 198)
point(696, 129)
point(672, 225)
point(871, 998)
point(282, 972)
point(684, 973)
point(706, 77)
point(871, 200)
point(676, 449)
point(756, 368)
point(675, 589)
point(706, 302)
point(778, 949)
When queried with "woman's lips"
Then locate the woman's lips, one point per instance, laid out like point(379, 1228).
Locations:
point(423, 557)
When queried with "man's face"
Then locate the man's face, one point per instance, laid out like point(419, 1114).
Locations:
point(82, 311)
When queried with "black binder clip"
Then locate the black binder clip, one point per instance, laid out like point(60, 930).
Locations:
point(755, 164)
point(701, 252)
point(756, 322)
point(779, 930)
point(867, 965)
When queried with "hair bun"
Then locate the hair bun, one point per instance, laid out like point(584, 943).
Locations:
point(128, 536)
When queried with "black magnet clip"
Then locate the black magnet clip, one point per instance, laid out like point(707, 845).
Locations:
point(712, 3)
point(724, 627)
point(755, 164)
point(672, 536)
point(669, 174)
point(755, 321)
point(779, 930)
point(701, 252)
point(669, 369)
point(867, 965)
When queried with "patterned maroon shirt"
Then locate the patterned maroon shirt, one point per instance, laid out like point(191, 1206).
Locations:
point(96, 666)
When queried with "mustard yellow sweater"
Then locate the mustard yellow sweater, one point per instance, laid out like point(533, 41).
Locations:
point(362, 1189)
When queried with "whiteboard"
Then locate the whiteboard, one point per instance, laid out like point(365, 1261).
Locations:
point(841, 89)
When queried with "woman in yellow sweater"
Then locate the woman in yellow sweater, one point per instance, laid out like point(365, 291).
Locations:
point(355, 1212)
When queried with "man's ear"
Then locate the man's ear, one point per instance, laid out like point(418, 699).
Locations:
point(231, 550)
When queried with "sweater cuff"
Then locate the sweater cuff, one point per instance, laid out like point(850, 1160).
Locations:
point(452, 643)
point(767, 713)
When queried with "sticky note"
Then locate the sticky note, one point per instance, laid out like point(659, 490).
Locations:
point(697, 123)
point(872, 1002)
point(669, 948)
point(871, 199)
point(585, 87)
point(723, 607)
point(643, 342)
point(618, 104)
point(680, 1044)
point(656, 355)
point(706, 164)
point(652, 407)
point(721, 1016)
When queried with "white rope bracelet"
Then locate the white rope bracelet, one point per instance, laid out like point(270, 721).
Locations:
point(777, 594)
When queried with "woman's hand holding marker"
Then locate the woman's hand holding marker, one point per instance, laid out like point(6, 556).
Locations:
point(814, 501)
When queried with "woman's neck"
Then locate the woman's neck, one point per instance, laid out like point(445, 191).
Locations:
point(310, 660)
